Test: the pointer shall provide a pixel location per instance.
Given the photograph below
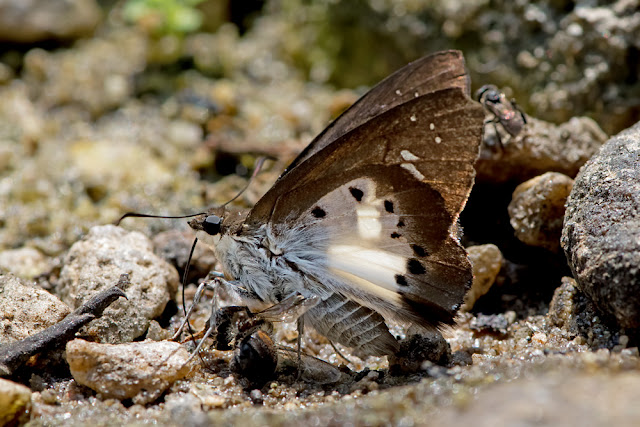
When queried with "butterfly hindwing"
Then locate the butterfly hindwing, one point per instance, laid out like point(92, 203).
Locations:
point(388, 194)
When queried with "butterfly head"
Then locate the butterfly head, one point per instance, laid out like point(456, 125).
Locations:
point(217, 222)
point(211, 222)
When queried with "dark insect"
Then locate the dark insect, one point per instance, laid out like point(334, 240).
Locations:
point(505, 112)
point(255, 356)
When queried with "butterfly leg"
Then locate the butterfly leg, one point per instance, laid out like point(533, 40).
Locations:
point(196, 300)
point(218, 279)
point(290, 308)
point(300, 332)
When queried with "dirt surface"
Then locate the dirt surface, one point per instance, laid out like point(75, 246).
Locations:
point(136, 118)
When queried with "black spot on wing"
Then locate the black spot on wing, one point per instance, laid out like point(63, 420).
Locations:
point(395, 235)
point(401, 280)
point(401, 223)
point(419, 250)
point(415, 267)
point(388, 206)
point(356, 193)
point(318, 212)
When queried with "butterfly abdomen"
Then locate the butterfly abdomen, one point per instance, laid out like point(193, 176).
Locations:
point(353, 325)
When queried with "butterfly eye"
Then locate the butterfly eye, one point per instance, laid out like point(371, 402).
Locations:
point(211, 224)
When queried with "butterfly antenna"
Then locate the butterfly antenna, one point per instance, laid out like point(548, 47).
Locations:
point(184, 282)
point(141, 215)
point(256, 170)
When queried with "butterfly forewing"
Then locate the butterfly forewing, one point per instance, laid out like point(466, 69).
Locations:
point(441, 70)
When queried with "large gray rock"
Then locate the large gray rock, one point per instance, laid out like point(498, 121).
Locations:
point(601, 234)
point(97, 261)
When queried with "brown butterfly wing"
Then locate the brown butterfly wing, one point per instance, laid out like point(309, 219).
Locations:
point(431, 73)
point(407, 172)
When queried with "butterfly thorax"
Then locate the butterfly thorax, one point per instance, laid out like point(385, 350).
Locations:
point(268, 264)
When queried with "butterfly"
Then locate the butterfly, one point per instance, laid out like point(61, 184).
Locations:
point(363, 225)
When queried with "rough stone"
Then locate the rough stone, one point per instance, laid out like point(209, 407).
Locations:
point(561, 58)
point(28, 21)
point(25, 310)
point(486, 261)
point(537, 210)
point(427, 346)
point(96, 262)
point(15, 402)
point(573, 311)
point(83, 76)
point(540, 147)
point(175, 245)
point(26, 262)
point(551, 400)
point(141, 371)
point(493, 323)
point(602, 225)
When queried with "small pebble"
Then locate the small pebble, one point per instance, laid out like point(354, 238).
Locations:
point(486, 261)
point(28, 21)
point(256, 397)
point(418, 348)
point(541, 147)
point(26, 262)
point(15, 402)
point(141, 371)
point(537, 210)
point(539, 337)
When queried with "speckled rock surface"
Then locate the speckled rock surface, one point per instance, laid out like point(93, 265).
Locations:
point(550, 400)
point(26, 309)
point(96, 263)
point(92, 81)
point(174, 247)
point(27, 21)
point(24, 262)
point(15, 402)
point(562, 59)
point(540, 147)
point(141, 371)
point(171, 124)
point(486, 261)
point(601, 228)
point(572, 310)
point(537, 210)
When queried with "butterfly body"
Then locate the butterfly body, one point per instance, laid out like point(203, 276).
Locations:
point(364, 221)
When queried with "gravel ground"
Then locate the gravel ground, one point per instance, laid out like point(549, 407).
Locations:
point(131, 118)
